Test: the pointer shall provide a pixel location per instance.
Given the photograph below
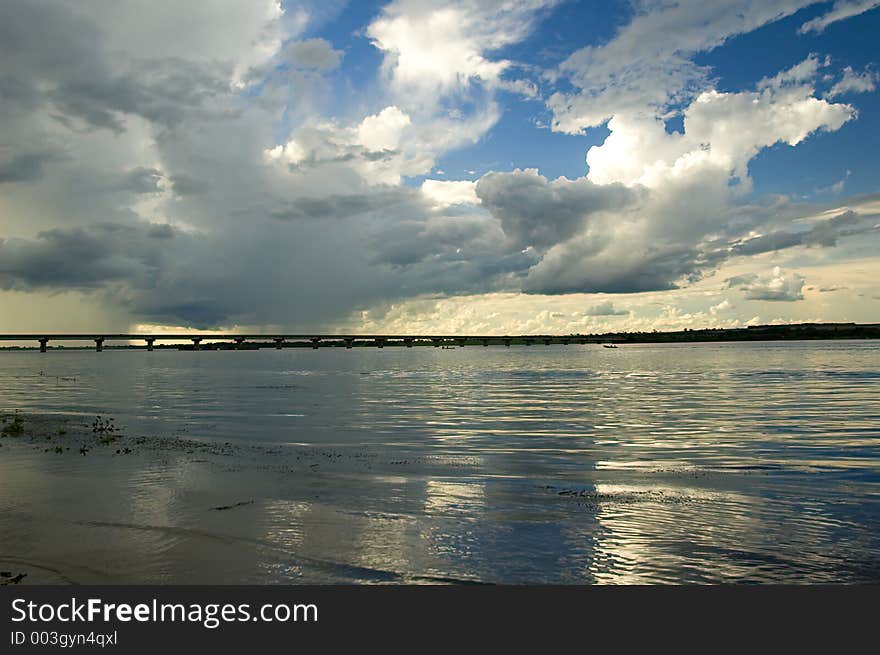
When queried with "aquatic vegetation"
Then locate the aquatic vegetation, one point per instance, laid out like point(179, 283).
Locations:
point(14, 428)
point(103, 425)
point(242, 503)
point(105, 428)
point(8, 578)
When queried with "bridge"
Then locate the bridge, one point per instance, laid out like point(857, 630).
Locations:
point(315, 340)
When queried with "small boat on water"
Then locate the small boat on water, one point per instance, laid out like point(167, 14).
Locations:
point(608, 345)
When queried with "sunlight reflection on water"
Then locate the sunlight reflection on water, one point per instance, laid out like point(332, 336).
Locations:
point(649, 463)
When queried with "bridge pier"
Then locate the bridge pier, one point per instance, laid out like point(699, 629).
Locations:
point(565, 342)
point(348, 343)
point(315, 343)
point(99, 344)
point(547, 342)
point(485, 342)
point(437, 342)
point(380, 343)
point(461, 342)
point(150, 344)
point(238, 342)
point(529, 342)
point(408, 342)
point(197, 343)
point(279, 343)
point(43, 343)
point(507, 341)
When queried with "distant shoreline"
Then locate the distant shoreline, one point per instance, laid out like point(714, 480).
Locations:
point(795, 331)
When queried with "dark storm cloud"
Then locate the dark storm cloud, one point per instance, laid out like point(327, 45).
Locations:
point(304, 244)
point(346, 154)
point(161, 274)
point(825, 234)
point(161, 91)
point(84, 257)
point(141, 180)
point(203, 313)
point(188, 185)
point(23, 166)
point(769, 242)
point(659, 267)
point(50, 53)
point(600, 238)
point(161, 231)
point(339, 206)
point(536, 212)
point(450, 238)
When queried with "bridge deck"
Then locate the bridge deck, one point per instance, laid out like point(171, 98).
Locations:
point(280, 340)
point(91, 336)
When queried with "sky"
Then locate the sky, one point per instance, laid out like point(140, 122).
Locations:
point(418, 166)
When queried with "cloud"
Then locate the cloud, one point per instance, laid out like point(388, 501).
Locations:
point(778, 285)
point(185, 184)
point(605, 264)
point(434, 49)
point(24, 166)
point(853, 82)
point(439, 69)
point(824, 233)
point(723, 306)
point(68, 62)
point(372, 147)
point(338, 206)
point(647, 66)
point(538, 213)
point(381, 148)
point(656, 209)
point(450, 192)
point(240, 35)
point(195, 167)
point(312, 53)
point(85, 257)
point(141, 179)
point(605, 308)
point(724, 130)
point(841, 10)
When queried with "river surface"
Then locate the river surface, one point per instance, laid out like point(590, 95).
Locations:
point(672, 463)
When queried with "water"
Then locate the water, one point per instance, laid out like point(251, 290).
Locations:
point(747, 462)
